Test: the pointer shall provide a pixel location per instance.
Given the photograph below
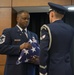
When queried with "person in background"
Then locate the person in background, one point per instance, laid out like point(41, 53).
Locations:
point(55, 43)
point(13, 41)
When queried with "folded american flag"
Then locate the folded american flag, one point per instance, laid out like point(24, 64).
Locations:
point(26, 55)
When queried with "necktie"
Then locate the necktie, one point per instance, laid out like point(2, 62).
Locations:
point(24, 32)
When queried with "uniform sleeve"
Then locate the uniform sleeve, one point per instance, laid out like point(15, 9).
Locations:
point(44, 43)
point(6, 46)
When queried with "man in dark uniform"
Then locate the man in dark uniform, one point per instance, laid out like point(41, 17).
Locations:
point(55, 43)
point(13, 41)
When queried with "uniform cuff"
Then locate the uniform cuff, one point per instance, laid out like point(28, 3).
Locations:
point(42, 74)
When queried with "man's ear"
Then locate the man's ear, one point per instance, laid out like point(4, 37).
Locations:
point(52, 14)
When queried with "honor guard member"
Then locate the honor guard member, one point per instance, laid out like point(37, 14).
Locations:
point(55, 43)
point(13, 41)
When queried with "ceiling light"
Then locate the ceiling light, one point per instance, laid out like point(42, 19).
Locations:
point(71, 8)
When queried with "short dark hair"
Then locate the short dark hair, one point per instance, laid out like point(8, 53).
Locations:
point(22, 11)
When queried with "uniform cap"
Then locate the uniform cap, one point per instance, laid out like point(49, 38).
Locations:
point(58, 8)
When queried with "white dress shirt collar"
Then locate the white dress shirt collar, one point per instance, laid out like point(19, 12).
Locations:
point(21, 28)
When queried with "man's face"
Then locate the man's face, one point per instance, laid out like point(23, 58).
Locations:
point(23, 20)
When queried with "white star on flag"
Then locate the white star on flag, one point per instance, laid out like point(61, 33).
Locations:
point(26, 60)
point(19, 57)
point(18, 62)
point(33, 49)
point(26, 51)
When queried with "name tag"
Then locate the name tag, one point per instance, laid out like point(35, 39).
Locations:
point(17, 40)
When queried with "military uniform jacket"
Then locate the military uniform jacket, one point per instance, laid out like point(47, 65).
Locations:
point(56, 60)
point(10, 47)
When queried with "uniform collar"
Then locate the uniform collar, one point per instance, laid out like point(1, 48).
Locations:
point(21, 28)
point(58, 21)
